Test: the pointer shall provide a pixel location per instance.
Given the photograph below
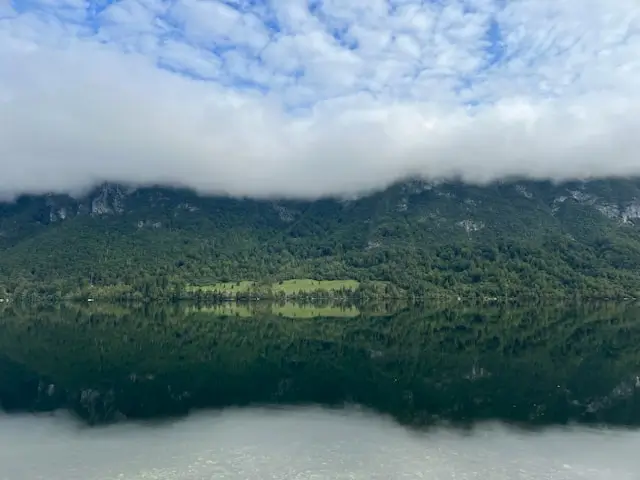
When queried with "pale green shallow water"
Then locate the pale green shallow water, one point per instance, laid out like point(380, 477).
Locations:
point(306, 444)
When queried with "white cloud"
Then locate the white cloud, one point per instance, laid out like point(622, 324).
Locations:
point(184, 57)
point(290, 100)
point(6, 9)
point(215, 22)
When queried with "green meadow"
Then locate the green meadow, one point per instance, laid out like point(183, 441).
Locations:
point(288, 287)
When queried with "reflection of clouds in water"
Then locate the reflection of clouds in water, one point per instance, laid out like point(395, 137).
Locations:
point(305, 444)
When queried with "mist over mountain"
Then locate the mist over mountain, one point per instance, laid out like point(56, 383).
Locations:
point(157, 149)
point(505, 239)
point(296, 100)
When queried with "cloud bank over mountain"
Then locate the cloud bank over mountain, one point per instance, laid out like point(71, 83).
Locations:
point(310, 98)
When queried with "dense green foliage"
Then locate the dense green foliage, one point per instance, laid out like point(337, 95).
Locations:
point(501, 240)
point(536, 365)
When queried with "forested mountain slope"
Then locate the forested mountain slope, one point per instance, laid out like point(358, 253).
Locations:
point(507, 238)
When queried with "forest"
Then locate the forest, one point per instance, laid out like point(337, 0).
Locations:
point(416, 239)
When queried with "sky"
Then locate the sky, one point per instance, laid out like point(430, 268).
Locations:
point(304, 99)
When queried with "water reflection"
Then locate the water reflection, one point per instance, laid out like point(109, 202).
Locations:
point(306, 444)
point(530, 365)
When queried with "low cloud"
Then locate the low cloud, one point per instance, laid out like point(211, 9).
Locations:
point(293, 101)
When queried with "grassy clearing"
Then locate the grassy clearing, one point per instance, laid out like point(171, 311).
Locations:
point(308, 285)
point(287, 286)
point(288, 310)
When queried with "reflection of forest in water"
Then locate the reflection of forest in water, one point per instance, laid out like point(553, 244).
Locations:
point(534, 365)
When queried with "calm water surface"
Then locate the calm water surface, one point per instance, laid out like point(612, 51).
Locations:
point(464, 393)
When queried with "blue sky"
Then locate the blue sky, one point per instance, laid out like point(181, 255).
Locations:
point(310, 98)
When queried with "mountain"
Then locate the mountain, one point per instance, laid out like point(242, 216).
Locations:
point(421, 238)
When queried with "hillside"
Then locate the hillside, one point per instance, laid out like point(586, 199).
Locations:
point(419, 238)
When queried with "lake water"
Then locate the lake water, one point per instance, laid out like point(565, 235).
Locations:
point(106, 392)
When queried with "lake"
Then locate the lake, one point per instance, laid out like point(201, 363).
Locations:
point(518, 392)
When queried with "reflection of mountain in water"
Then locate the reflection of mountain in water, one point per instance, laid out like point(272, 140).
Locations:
point(529, 365)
